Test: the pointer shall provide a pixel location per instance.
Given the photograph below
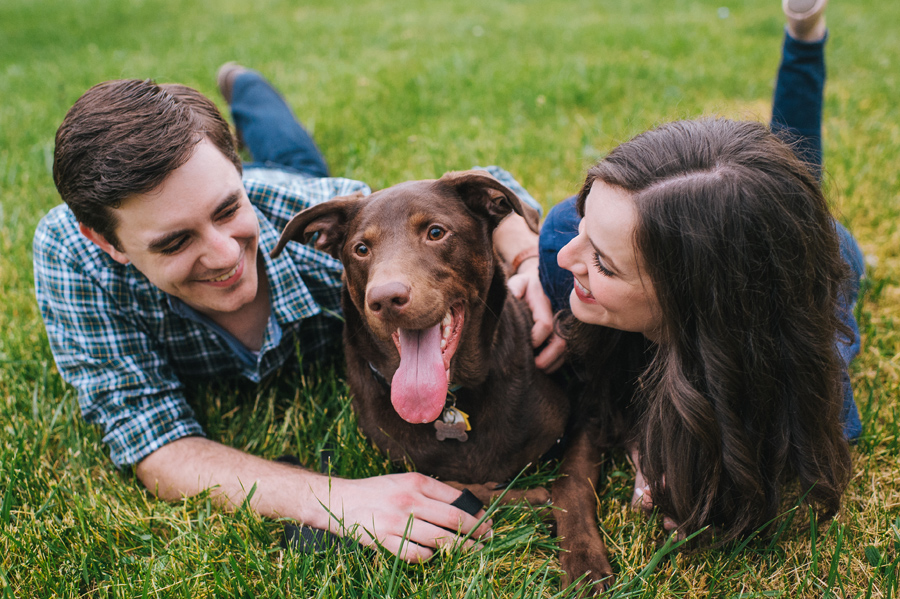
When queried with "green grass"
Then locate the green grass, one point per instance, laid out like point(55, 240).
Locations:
point(394, 90)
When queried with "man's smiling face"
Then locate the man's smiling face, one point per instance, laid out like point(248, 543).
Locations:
point(195, 236)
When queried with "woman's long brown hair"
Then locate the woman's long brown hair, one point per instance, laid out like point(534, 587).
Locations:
point(742, 395)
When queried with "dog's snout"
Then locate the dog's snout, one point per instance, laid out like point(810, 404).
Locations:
point(388, 299)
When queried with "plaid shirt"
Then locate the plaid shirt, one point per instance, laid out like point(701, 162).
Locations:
point(126, 346)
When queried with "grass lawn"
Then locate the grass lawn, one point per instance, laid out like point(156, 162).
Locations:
point(396, 90)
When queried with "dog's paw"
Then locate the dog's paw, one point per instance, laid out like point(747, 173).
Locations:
point(490, 492)
point(537, 496)
point(591, 563)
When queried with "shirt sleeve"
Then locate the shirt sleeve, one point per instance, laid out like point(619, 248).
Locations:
point(507, 179)
point(281, 195)
point(104, 349)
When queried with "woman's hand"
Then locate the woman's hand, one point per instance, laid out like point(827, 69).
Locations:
point(526, 284)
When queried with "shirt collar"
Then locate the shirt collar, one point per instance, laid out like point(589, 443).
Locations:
point(290, 299)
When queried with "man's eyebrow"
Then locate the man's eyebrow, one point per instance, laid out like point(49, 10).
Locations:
point(233, 198)
point(165, 240)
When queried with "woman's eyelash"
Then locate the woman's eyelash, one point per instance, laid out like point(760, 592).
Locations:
point(603, 270)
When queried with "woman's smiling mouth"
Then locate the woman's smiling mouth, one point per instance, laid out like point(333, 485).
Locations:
point(583, 294)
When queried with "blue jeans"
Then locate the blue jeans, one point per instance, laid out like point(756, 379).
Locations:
point(797, 115)
point(274, 137)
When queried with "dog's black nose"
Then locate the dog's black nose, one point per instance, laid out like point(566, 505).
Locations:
point(388, 299)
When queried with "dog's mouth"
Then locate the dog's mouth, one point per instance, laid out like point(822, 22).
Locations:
point(419, 386)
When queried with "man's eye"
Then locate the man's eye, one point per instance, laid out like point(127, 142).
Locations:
point(174, 246)
point(229, 212)
point(435, 233)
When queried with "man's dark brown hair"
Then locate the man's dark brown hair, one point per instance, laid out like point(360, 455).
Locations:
point(123, 138)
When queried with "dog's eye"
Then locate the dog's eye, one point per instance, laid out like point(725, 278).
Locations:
point(435, 233)
point(362, 250)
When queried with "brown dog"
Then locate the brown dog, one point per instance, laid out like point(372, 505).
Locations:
point(426, 307)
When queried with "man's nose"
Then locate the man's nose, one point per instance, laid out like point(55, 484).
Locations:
point(220, 250)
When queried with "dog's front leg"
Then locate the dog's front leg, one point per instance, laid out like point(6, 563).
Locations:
point(582, 550)
point(490, 492)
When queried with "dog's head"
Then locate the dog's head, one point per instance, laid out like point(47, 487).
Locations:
point(418, 264)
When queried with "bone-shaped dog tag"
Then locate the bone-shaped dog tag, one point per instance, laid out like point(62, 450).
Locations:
point(453, 425)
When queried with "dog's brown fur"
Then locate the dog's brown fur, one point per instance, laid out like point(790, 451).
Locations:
point(411, 253)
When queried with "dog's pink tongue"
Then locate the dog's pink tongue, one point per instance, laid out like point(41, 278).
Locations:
point(419, 387)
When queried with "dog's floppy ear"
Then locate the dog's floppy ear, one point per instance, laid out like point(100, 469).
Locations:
point(328, 219)
point(484, 194)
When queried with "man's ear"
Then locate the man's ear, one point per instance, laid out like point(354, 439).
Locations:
point(101, 242)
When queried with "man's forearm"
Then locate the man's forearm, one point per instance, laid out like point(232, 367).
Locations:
point(193, 464)
point(377, 508)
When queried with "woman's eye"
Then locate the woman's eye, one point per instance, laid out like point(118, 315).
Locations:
point(362, 250)
point(602, 269)
point(435, 233)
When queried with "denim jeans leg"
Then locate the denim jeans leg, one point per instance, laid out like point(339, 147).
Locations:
point(797, 118)
point(269, 129)
point(797, 102)
point(849, 348)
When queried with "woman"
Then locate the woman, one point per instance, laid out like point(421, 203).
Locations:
point(706, 254)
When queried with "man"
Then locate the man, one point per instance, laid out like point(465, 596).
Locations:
point(157, 270)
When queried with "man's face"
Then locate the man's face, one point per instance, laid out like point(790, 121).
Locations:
point(195, 236)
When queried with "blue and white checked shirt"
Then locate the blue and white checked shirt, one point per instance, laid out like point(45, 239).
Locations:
point(126, 346)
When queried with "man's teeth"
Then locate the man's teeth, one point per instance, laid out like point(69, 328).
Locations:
point(226, 276)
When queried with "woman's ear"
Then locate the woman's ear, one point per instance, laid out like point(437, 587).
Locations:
point(101, 242)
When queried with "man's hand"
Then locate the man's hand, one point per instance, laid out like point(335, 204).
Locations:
point(370, 509)
point(526, 284)
point(379, 509)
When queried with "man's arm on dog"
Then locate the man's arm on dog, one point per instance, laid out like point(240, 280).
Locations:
point(378, 507)
point(511, 238)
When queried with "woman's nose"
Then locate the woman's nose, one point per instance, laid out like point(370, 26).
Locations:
point(568, 256)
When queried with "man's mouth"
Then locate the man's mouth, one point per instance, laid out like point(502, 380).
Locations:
point(229, 277)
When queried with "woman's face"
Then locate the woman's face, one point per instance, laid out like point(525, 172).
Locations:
point(609, 289)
